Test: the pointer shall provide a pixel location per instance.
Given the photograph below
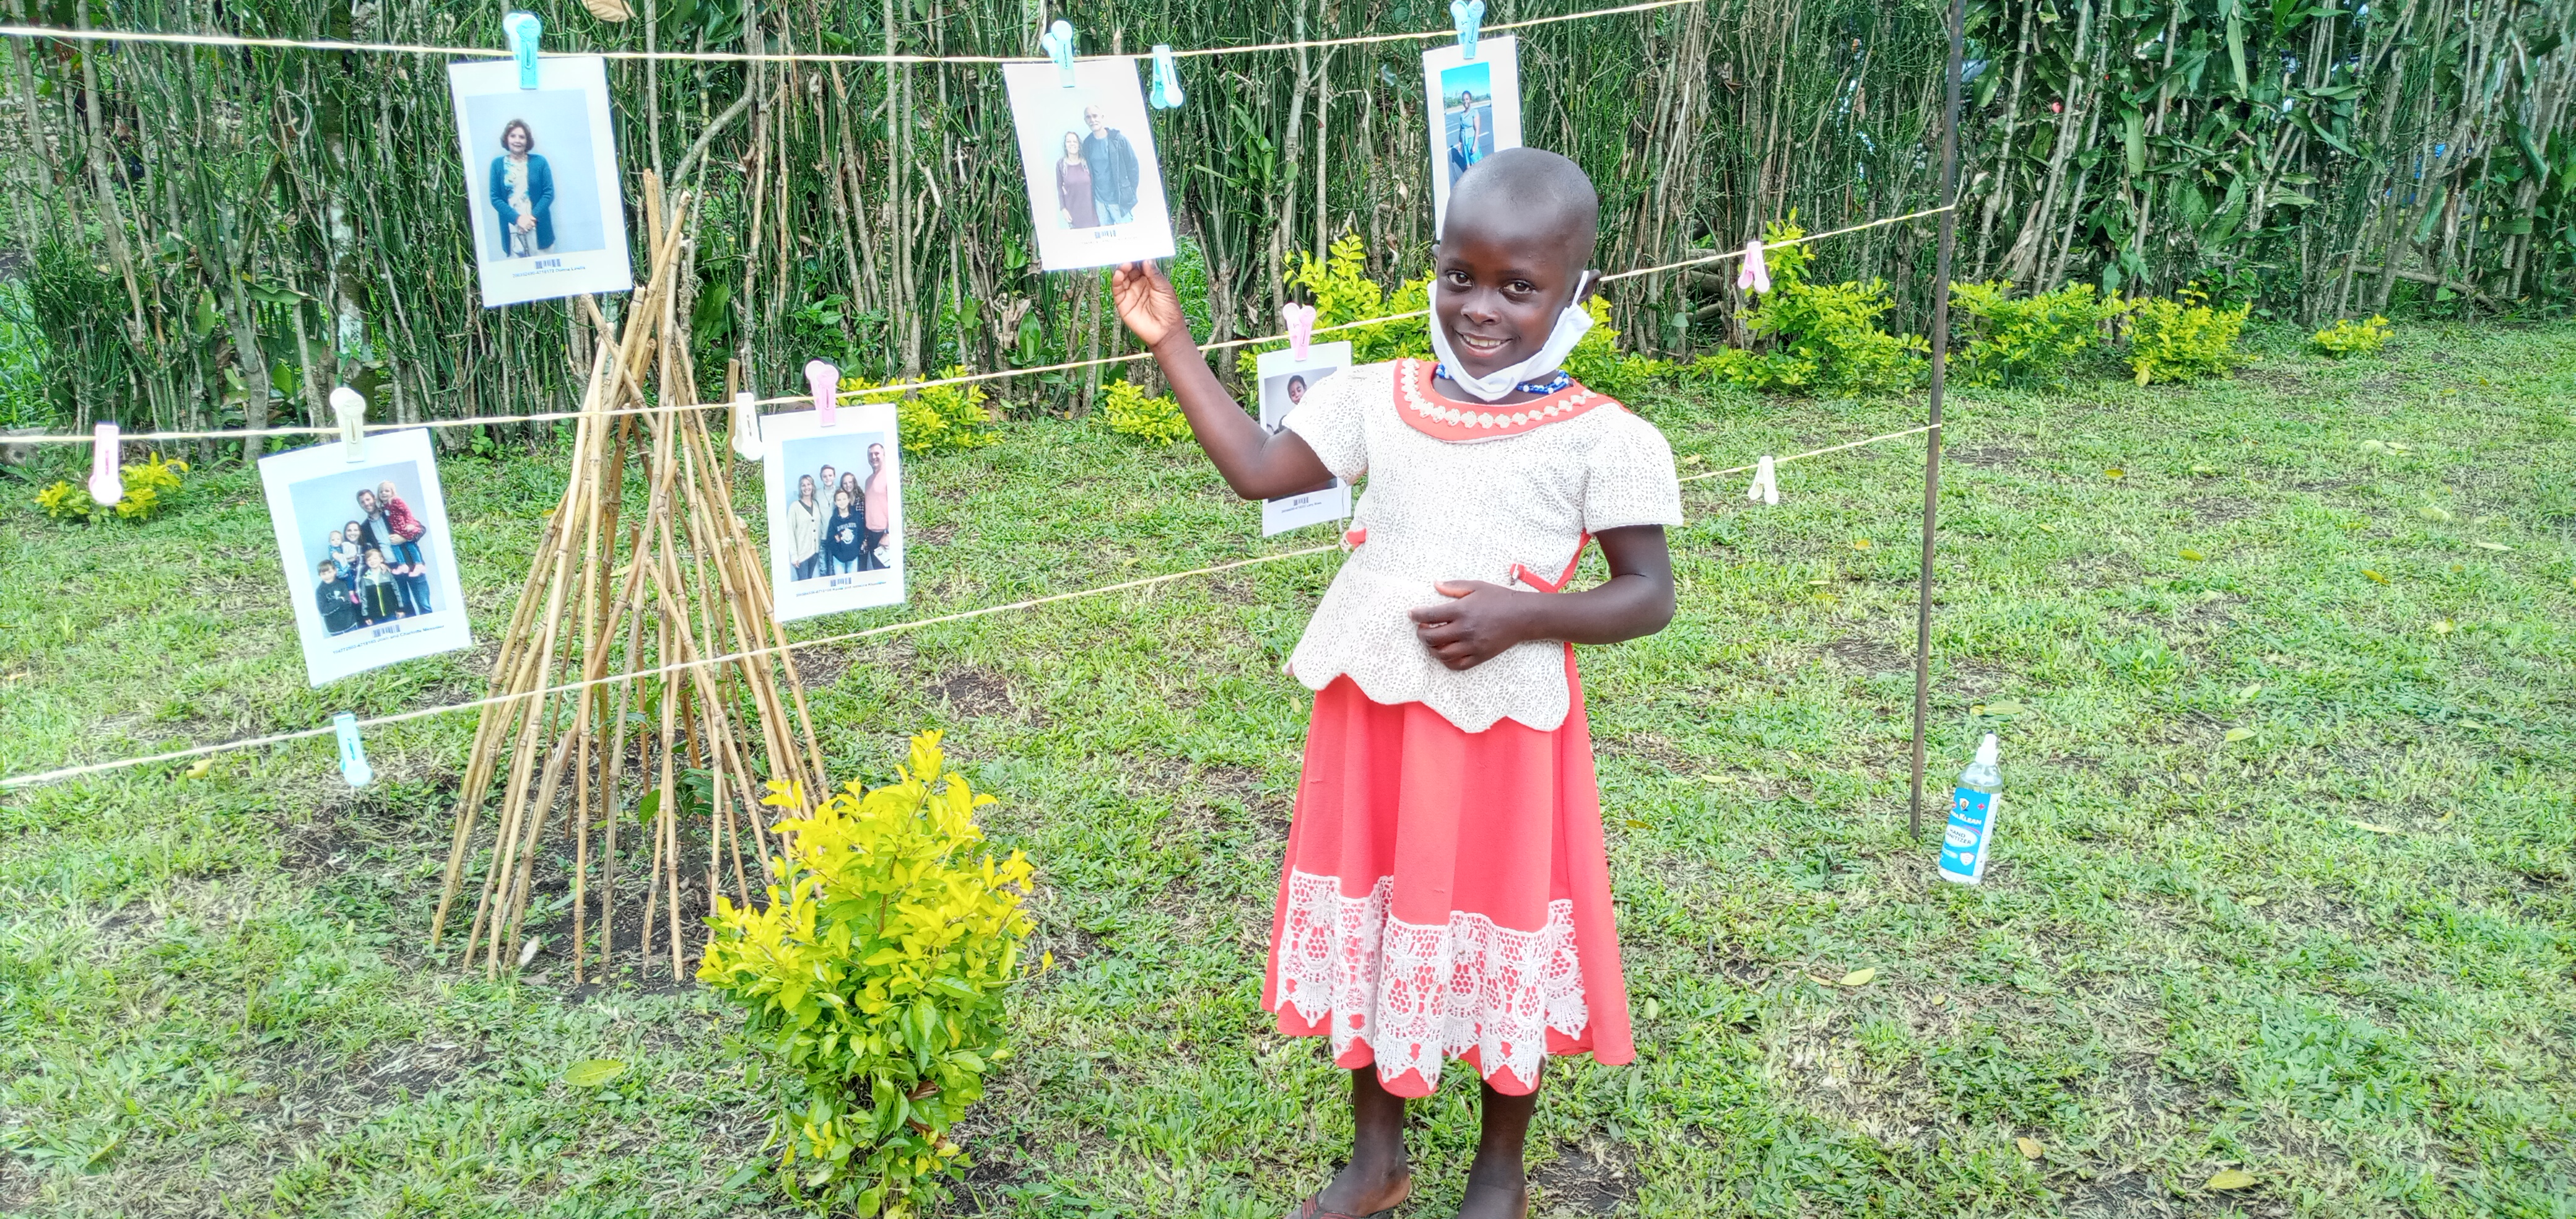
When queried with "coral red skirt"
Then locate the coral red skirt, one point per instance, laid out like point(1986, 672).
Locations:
point(1447, 895)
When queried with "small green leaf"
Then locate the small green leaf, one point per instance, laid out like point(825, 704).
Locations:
point(2232, 1178)
point(2191, 554)
point(592, 1072)
point(2249, 692)
point(1860, 977)
point(2375, 827)
point(2004, 706)
point(1635, 824)
point(2491, 546)
point(2239, 734)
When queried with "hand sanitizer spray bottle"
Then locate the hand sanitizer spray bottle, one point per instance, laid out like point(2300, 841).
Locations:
point(1971, 836)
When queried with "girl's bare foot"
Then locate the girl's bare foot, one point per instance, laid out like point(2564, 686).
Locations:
point(1497, 1188)
point(1377, 1176)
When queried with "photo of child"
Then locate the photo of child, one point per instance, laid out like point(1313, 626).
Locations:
point(1475, 106)
point(1285, 380)
point(368, 539)
point(835, 511)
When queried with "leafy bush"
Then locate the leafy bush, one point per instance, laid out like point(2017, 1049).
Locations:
point(935, 419)
point(1597, 362)
point(1344, 293)
point(1155, 420)
point(2030, 340)
point(2183, 339)
point(148, 485)
point(1823, 338)
point(2347, 337)
point(874, 978)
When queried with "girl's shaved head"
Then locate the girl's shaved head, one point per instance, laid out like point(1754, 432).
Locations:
point(1527, 196)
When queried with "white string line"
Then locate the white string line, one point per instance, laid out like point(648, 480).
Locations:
point(665, 670)
point(904, 387)
point(68, 772)
point(413, 48)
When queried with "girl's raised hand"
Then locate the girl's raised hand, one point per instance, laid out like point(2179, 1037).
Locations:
point(1146, 302)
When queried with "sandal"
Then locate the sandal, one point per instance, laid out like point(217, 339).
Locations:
point(1313, 1208)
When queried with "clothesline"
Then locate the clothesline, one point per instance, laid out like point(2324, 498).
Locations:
point(413, 48)
point(910, 386)
point(280, 738)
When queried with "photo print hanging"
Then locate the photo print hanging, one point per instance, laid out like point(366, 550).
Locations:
point(370, 568)
point(541, 179)
point(1087, 152)
point(1284, 382)
point(1475, 108)
point(835, 496)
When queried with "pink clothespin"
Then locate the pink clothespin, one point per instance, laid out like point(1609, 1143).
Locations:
point(825, 380)
point(1756, 275)
point(1301, 329)
point(106, 486)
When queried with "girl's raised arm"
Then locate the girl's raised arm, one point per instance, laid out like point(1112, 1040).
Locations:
point(1257, 464)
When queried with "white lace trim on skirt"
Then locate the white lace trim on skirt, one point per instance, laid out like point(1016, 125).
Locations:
point(1419, 993)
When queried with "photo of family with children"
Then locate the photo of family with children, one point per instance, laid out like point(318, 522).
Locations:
point(365, 554)
point(840, 518)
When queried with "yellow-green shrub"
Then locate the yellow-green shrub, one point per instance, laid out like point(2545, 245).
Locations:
point(147, 487)
point(1824, 338)
point(1343, 292)
point(1598, 363)
point(2347, 336)
point(1131, 413)
point(2028, 340)
point(874, 980)
point(2183, 339)
point(936, 418)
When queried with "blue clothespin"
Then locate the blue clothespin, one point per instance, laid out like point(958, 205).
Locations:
point(522, 30)
point(1058, 41)
point(1167, 79)
point(1469, 15)
point(353, 752)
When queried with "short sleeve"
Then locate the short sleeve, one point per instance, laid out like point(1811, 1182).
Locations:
point(1629, 479)
point(1329, 420)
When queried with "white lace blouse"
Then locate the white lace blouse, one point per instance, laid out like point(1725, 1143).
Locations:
point(1505, 493)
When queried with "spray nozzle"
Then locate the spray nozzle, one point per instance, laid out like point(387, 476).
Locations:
point(1988, 753)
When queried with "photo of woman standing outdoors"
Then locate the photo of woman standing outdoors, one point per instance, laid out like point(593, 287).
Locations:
point(804, 529)
point(523, 192)
point(1073, 187)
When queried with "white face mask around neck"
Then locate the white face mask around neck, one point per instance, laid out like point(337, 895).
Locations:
point(1571, 326)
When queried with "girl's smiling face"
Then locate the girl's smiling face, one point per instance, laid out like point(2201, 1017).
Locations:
point(1500, 292)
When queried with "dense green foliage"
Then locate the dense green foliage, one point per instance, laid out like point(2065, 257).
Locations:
point(2178, 340)
point(217, 237)
point(2027, 341)
point(874, 980)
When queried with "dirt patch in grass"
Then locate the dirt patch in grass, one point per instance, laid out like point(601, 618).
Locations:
point(2220, 509)
point(1594, 1178)
point(1870, 656)
point(2099, 569)
point(1983, 456)
point(974, 693)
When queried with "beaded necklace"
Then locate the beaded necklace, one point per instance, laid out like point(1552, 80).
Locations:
point(1541, 387)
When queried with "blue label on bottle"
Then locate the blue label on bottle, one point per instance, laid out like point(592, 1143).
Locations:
point(1963, 845)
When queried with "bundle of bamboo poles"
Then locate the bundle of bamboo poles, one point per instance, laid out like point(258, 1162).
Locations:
point(676, 596)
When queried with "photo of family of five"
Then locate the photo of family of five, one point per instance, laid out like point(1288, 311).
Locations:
point(847, 532)
point(373, 572)
point(1096, 176)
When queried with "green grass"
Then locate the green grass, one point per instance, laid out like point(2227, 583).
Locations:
point(2191, 954)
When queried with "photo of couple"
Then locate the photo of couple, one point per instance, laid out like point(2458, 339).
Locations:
point(849, 532)
point(370, 570)
point(1087, 152)
point(835, 500)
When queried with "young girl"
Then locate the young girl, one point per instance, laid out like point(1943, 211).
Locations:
point(347, 551)
point(1446, 893)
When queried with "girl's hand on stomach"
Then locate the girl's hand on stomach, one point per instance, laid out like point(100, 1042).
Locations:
point(1147, 303)
point(1477, 624)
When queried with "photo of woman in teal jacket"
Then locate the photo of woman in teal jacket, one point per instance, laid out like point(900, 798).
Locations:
point(523, 192)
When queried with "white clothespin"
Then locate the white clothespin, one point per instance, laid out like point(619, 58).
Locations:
point(1167, 79)
point(746, 427)
point(824, 379)
point(1766, 483)
point(106, 483)
point(1470, 17)
point(353, 752)
point(1058, 42)
point(1301, 329)
point(522, 30)
point(351, 407)
point(1755, 275)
